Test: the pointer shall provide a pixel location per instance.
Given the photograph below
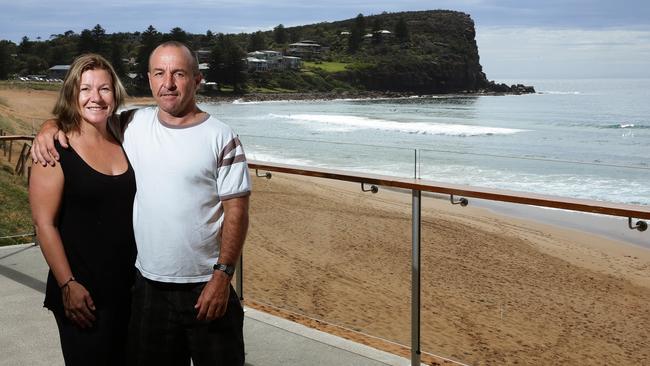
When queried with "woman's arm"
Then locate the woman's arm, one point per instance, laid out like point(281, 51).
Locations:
point(45, 192)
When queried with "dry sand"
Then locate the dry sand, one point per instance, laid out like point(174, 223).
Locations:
point(29, 108)
point(495, 290)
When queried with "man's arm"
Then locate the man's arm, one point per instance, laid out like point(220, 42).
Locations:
point(213, 301)
point(43, 150)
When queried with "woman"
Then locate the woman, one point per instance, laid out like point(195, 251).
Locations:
point(82, 210)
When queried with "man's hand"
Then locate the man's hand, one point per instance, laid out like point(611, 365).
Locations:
point(213, 301)
point(43, 150)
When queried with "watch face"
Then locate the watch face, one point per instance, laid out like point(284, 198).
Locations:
point(229, 270)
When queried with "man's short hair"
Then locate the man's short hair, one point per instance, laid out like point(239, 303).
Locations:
point(194, 62)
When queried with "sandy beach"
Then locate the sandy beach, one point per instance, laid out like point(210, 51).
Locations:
point(495, 289)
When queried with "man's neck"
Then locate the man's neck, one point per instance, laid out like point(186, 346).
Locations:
point(190, 117)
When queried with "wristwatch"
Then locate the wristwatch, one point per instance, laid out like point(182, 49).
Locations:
point(225, 268)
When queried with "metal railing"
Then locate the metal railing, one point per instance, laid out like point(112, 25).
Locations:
point(636, 214)
point(417, 186)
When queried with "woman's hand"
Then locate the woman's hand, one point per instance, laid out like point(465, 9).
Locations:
point(78, 304)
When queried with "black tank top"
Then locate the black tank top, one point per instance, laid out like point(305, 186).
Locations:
point(96, 226)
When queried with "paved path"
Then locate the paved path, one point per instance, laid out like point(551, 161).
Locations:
point(28, 334)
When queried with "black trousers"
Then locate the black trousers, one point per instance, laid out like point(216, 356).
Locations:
point(164, 330)
point(102, 344)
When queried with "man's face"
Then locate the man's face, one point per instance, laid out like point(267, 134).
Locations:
point(172, 81)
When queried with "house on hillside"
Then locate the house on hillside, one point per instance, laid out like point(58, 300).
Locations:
point(305, 49)
point(203, 55)
point(272, 58)
point(58, 71)
point(256, 65)
point(292, 62)
point(268, 60)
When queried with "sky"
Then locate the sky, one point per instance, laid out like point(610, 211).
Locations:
point(517, 39)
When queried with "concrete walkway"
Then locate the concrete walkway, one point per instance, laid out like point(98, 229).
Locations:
point(28, 333)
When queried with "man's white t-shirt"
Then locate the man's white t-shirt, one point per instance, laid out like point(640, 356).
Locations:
point(182, 176)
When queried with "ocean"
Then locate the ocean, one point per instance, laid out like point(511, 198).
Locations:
point(587, 138)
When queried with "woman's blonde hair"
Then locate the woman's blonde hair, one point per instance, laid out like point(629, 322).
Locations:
point(66, 108)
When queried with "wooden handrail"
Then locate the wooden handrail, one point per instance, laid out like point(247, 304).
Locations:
point(16, 137)
point(581, 205)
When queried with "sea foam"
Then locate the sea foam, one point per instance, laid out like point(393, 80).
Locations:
point(350, 123)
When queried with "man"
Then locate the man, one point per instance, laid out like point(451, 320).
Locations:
point(190, 219)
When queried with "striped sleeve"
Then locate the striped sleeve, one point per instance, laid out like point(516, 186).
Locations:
point(233, 179)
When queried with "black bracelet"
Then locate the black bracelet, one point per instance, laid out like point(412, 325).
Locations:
point(67, 283)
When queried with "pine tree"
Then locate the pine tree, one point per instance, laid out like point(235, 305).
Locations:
point(402, 30)
point(280, 34)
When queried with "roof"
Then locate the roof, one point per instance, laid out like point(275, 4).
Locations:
point(302, 44)
point(60, 67)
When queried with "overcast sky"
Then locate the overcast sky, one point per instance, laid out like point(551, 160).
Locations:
point(517, 39)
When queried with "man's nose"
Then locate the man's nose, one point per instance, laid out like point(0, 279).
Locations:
point(168, 82)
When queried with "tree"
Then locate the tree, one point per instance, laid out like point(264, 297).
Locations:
point(354, 40)
point(357, 33)
point(377, 37)
point(177, 34)
point(85, 43)
point(360, 23)
point(280, 34)
point(6, 64)
point(256, 42)
point(25, 46)
point(62, 48)
point(226, 64)
point(149, 40)
point(116, 55)
point(402, 30)
point(100, 41)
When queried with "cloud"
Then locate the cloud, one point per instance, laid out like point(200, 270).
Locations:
point(566, 52)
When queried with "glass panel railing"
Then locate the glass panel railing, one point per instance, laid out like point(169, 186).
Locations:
point(325, 250)
point(353, 157)
point(502, 286)
point(586, 180)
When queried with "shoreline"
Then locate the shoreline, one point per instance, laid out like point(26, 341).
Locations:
point(329, 96)
point(609, 227)
point(575, 229)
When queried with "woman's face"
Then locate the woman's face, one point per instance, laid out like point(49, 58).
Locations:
point(96, 99)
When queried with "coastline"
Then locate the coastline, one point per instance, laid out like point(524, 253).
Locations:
point(356, 95)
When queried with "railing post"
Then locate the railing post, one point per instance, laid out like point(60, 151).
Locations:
point(239, 275)
point(415, 279)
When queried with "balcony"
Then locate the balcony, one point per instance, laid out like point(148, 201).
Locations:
point(512, 278)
